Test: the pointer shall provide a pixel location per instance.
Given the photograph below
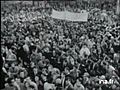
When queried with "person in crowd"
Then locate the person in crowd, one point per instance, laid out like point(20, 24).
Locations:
point(78, 85)
point(48, 84)
point(11, 85)
point(68, 84)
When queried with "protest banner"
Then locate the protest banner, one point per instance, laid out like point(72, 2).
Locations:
point(58, 15)
point(70, 16)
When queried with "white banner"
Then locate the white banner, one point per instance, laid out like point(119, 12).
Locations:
point(70, 16)
point(58, 15)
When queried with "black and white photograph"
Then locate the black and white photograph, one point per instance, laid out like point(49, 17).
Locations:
point(60, 45)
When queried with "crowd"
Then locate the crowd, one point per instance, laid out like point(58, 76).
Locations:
point(42, 53)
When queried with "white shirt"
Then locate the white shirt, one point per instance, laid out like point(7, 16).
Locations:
point(26, 47)
point(84, 50)
point(48, 86)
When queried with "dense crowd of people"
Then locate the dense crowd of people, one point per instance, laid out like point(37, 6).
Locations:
point(42, 53)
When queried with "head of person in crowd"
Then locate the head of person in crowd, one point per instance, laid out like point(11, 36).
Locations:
point(78, 85)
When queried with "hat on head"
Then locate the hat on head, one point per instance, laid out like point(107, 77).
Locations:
point(86, 74)
point(102, 77)
point(58, 81)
